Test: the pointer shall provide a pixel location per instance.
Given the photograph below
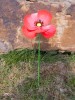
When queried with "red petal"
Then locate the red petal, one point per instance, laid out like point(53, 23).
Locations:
point(29, 21)
point(45, 28)
point(27, 33)
point(44, 16)
point(49, 31)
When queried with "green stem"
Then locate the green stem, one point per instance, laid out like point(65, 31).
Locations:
point(39, 58)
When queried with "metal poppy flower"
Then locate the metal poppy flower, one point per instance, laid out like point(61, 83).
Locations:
point(38, 23)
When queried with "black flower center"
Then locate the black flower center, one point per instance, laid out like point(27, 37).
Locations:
point(39, 23)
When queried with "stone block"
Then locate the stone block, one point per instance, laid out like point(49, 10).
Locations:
point(12, 13)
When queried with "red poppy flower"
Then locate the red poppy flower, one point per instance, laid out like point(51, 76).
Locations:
point(38, 23)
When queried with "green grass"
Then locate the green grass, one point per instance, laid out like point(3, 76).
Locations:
point(29, 90)
point(71, 58)
point(16, 74)
point(25, 55)
point(16, 56)
point(71, 82)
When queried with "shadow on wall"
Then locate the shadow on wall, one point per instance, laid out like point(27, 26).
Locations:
point(44, 45)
